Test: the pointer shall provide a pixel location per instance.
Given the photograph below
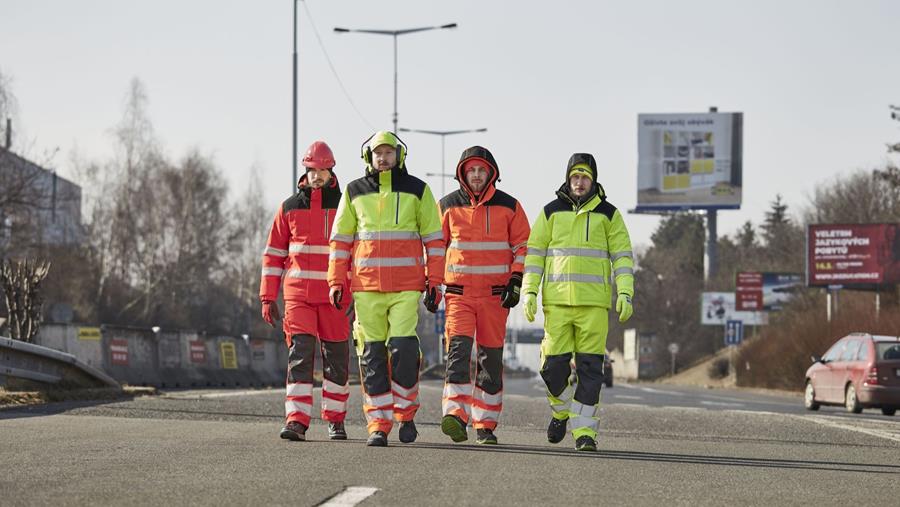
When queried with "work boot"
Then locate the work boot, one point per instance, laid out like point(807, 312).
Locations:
point(485, 436)
point(454, 427)
point(556, 431)
point(408, 433)
point(377, 439)
point(336, 431)
point(585, 443)
point(293, 430)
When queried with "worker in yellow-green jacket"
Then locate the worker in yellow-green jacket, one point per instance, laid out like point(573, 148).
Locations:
point(578, 246)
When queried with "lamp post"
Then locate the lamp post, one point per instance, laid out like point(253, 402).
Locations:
point(294, 137)
point(394, 34)
point(443, 133)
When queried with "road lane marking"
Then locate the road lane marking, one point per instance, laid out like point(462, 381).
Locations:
point(721, 404)
point(190, 395)
point(657, 391)
point(350, 496)
point(849, 427)
point(626, 397)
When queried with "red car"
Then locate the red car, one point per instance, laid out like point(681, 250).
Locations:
point(859, 371)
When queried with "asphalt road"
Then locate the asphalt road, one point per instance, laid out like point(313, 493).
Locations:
point(658, 444)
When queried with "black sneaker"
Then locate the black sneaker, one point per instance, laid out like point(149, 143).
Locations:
point(293, 431)
point(485, 436)
point(408, 433)
point(585, 443)
point(454, 427)
point(336, 431)
point(377, 439)
point(556, 431)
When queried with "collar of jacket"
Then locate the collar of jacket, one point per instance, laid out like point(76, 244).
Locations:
point(583, 204)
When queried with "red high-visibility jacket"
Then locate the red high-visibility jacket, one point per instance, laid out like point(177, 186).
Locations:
point(486, 237)
point(297, 248)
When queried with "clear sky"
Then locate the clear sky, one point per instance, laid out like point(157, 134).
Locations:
point(813, 79)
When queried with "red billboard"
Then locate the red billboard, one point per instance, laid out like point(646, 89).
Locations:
point(748, 292)
point(861, 255)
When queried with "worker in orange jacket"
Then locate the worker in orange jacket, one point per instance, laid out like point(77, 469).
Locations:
point(486, 232)
point(297, 252)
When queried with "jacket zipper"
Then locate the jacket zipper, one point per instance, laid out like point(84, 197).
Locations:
point(397, 211)
point(488, 219)
point(587, 230)
point(326, 225)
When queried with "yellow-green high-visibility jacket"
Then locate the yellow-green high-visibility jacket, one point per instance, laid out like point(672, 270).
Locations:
point(383, 220)
point(575, 251)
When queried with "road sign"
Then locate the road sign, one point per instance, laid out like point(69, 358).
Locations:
point(673, 348)
point(734, 332)
point(439, 319)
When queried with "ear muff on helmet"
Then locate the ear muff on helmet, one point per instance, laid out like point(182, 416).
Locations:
point(402, 149)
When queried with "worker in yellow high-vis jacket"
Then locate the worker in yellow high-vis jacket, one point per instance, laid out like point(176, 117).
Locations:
point(577, 247)
point(387, 223)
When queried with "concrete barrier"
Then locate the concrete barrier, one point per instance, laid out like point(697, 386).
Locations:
point(171, 358)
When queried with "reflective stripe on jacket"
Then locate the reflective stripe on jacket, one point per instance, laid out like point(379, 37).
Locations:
point(382, 223)
point(297, 248)
point(575, 252)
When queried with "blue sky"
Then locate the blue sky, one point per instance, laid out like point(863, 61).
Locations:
point(813, 79)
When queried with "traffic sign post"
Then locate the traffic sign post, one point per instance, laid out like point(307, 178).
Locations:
point(734, 332)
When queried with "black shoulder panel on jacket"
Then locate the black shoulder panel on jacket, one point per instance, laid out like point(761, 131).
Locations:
point(605, 208)
point(501, 198)
point(362, 186)
point(556, 205)
point(331, 197)
point(456, 199)
point(300, 200)
point(408, 184)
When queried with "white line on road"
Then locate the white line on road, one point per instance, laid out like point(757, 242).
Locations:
point(190, 395)
point(658, 391)
point(350, 496)
point(834, 424)
point(626, 397)
point(721, 404)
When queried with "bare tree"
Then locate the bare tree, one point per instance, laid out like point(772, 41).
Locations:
point(21, 282)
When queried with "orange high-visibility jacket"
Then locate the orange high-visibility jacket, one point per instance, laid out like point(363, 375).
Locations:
point(382, 223)
point(297, 248)
point(487, 236)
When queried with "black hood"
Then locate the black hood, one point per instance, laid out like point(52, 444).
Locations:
point(596, 188)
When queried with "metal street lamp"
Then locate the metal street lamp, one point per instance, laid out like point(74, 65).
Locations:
point(394, 34)
point(294, 137)
point(443, 133)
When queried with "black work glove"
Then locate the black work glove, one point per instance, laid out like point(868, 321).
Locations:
point(433, 296)
point(510, 295)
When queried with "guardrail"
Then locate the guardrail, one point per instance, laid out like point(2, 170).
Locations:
point(48, 366)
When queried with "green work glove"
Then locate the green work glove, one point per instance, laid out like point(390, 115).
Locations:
point(623, 306)
point(530, 306)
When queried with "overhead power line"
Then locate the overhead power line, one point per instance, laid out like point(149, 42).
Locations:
point(333, 70)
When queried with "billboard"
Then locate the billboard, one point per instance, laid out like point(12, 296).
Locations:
point(853, 255)
point(718, 308)
point(755, 291)
point(689, 161)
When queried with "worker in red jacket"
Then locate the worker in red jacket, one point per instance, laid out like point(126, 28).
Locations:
point(486, 232)
point(297, 252)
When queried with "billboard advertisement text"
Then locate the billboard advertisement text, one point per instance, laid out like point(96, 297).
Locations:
point(853, 255)
point(689, 161)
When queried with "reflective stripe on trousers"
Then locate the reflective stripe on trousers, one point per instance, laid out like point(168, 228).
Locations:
point(583, 419)
point(560, 405)
point(298, 402)
point(486, 408)
point(334, 401)
point(379, 412)
point(457, 400)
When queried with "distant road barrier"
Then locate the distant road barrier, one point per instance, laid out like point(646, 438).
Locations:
point(169, 358)
point(48, 366)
